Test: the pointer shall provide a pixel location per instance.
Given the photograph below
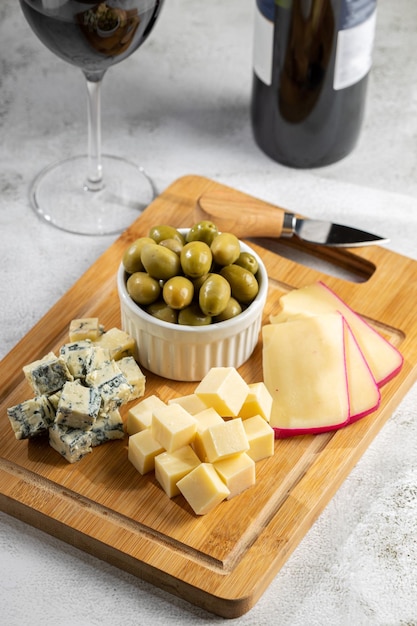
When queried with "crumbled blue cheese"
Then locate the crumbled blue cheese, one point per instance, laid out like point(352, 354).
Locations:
point(134, 376)
point(77, 355)
point(85, 328)
point(112, 385)
point(31, 417)
point(107, 427)
point(118, 342)
point(47, 375)
point(78, 406)
point(71, 443)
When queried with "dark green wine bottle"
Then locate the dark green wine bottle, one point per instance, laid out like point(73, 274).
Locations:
point(311, 65)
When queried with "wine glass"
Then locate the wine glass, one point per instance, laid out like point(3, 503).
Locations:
point(92, 194)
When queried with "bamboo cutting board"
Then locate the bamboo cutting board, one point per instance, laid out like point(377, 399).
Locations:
point(225, 560)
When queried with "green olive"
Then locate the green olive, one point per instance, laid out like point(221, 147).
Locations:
point(173, 244)
point(242, 282)
point(160, 262)
point(162, 311)
point(202, 231)
point(142, 288)
point(196, 259)
point(248, 261)
point(225, 248)
point(193, 316)
point(131, 258)
point(214, 295)
point(163, 231)
point(232, 309)
point(197, 282)
point(178, 292)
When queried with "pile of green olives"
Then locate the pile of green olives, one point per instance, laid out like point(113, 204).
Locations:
point(195, 279)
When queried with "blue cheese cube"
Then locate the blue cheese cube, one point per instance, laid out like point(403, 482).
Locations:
point(71, 443)
point(47, 375)
point(77, 356)
point(107, 427)
point(85, 328)
point(118, 342)
point(98, 358)
point(78, 406)
point(134, 376)
point(31, 417)
point(112, 385)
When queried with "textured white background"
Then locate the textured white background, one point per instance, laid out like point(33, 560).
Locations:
point(179, 106)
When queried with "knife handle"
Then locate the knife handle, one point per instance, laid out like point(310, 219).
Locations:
point(243, 216)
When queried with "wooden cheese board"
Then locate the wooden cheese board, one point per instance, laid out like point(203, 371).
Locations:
point(225, 560)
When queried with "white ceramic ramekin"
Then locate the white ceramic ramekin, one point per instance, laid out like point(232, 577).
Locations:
point(186, 353)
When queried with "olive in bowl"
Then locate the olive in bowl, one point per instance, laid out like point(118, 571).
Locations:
point(184, 343)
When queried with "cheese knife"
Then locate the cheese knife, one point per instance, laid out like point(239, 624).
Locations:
point(250, 217)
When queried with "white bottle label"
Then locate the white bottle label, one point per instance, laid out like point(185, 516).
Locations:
point(354, 53)
point(263, 47)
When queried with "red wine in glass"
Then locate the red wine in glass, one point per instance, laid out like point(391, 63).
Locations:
point(92, 194)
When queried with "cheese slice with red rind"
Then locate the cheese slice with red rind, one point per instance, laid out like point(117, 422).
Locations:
point(313, 368)
point(304, 369)
point(384, 360)
point(364, 393)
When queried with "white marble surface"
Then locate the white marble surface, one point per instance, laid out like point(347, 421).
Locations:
point(180, 106)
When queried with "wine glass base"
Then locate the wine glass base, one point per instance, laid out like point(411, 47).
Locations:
point(60, 196)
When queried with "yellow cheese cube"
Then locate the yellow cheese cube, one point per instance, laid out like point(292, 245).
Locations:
point(224, 389)
point(204, 419)
point(170, 467)
point(119, 343)
point(139, 416)
point(260, 436)
point(142, 450)
point(191, 403)
point(225, 440)
point(134, 376)
point(85, 328)
point(237, 473)
point(173, 426)
point(257, 402)
point(203, 488)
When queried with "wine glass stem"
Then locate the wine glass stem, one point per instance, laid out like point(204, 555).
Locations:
point(94, 181)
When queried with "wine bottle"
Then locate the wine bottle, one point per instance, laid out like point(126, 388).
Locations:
point(311, 62)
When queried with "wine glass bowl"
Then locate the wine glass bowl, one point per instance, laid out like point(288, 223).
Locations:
point(92, 194)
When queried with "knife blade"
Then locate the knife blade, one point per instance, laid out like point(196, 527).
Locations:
point(249, 217)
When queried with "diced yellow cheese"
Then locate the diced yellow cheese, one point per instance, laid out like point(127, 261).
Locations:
point(142, 450)
point(134, 375)
point(203, 488)
point(237, 473)
point(224, 389)
point(170, 467)
point(260, 436)
point(257, 402)
point(204, 419)
point(118, 342)
point(225, 440)
point(304, 370)
point(139, 416)
point(85, 328)
point(191, 403)
point(173, 427)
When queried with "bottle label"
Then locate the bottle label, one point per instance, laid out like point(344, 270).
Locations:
point(263, 40)
point(355, 42)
